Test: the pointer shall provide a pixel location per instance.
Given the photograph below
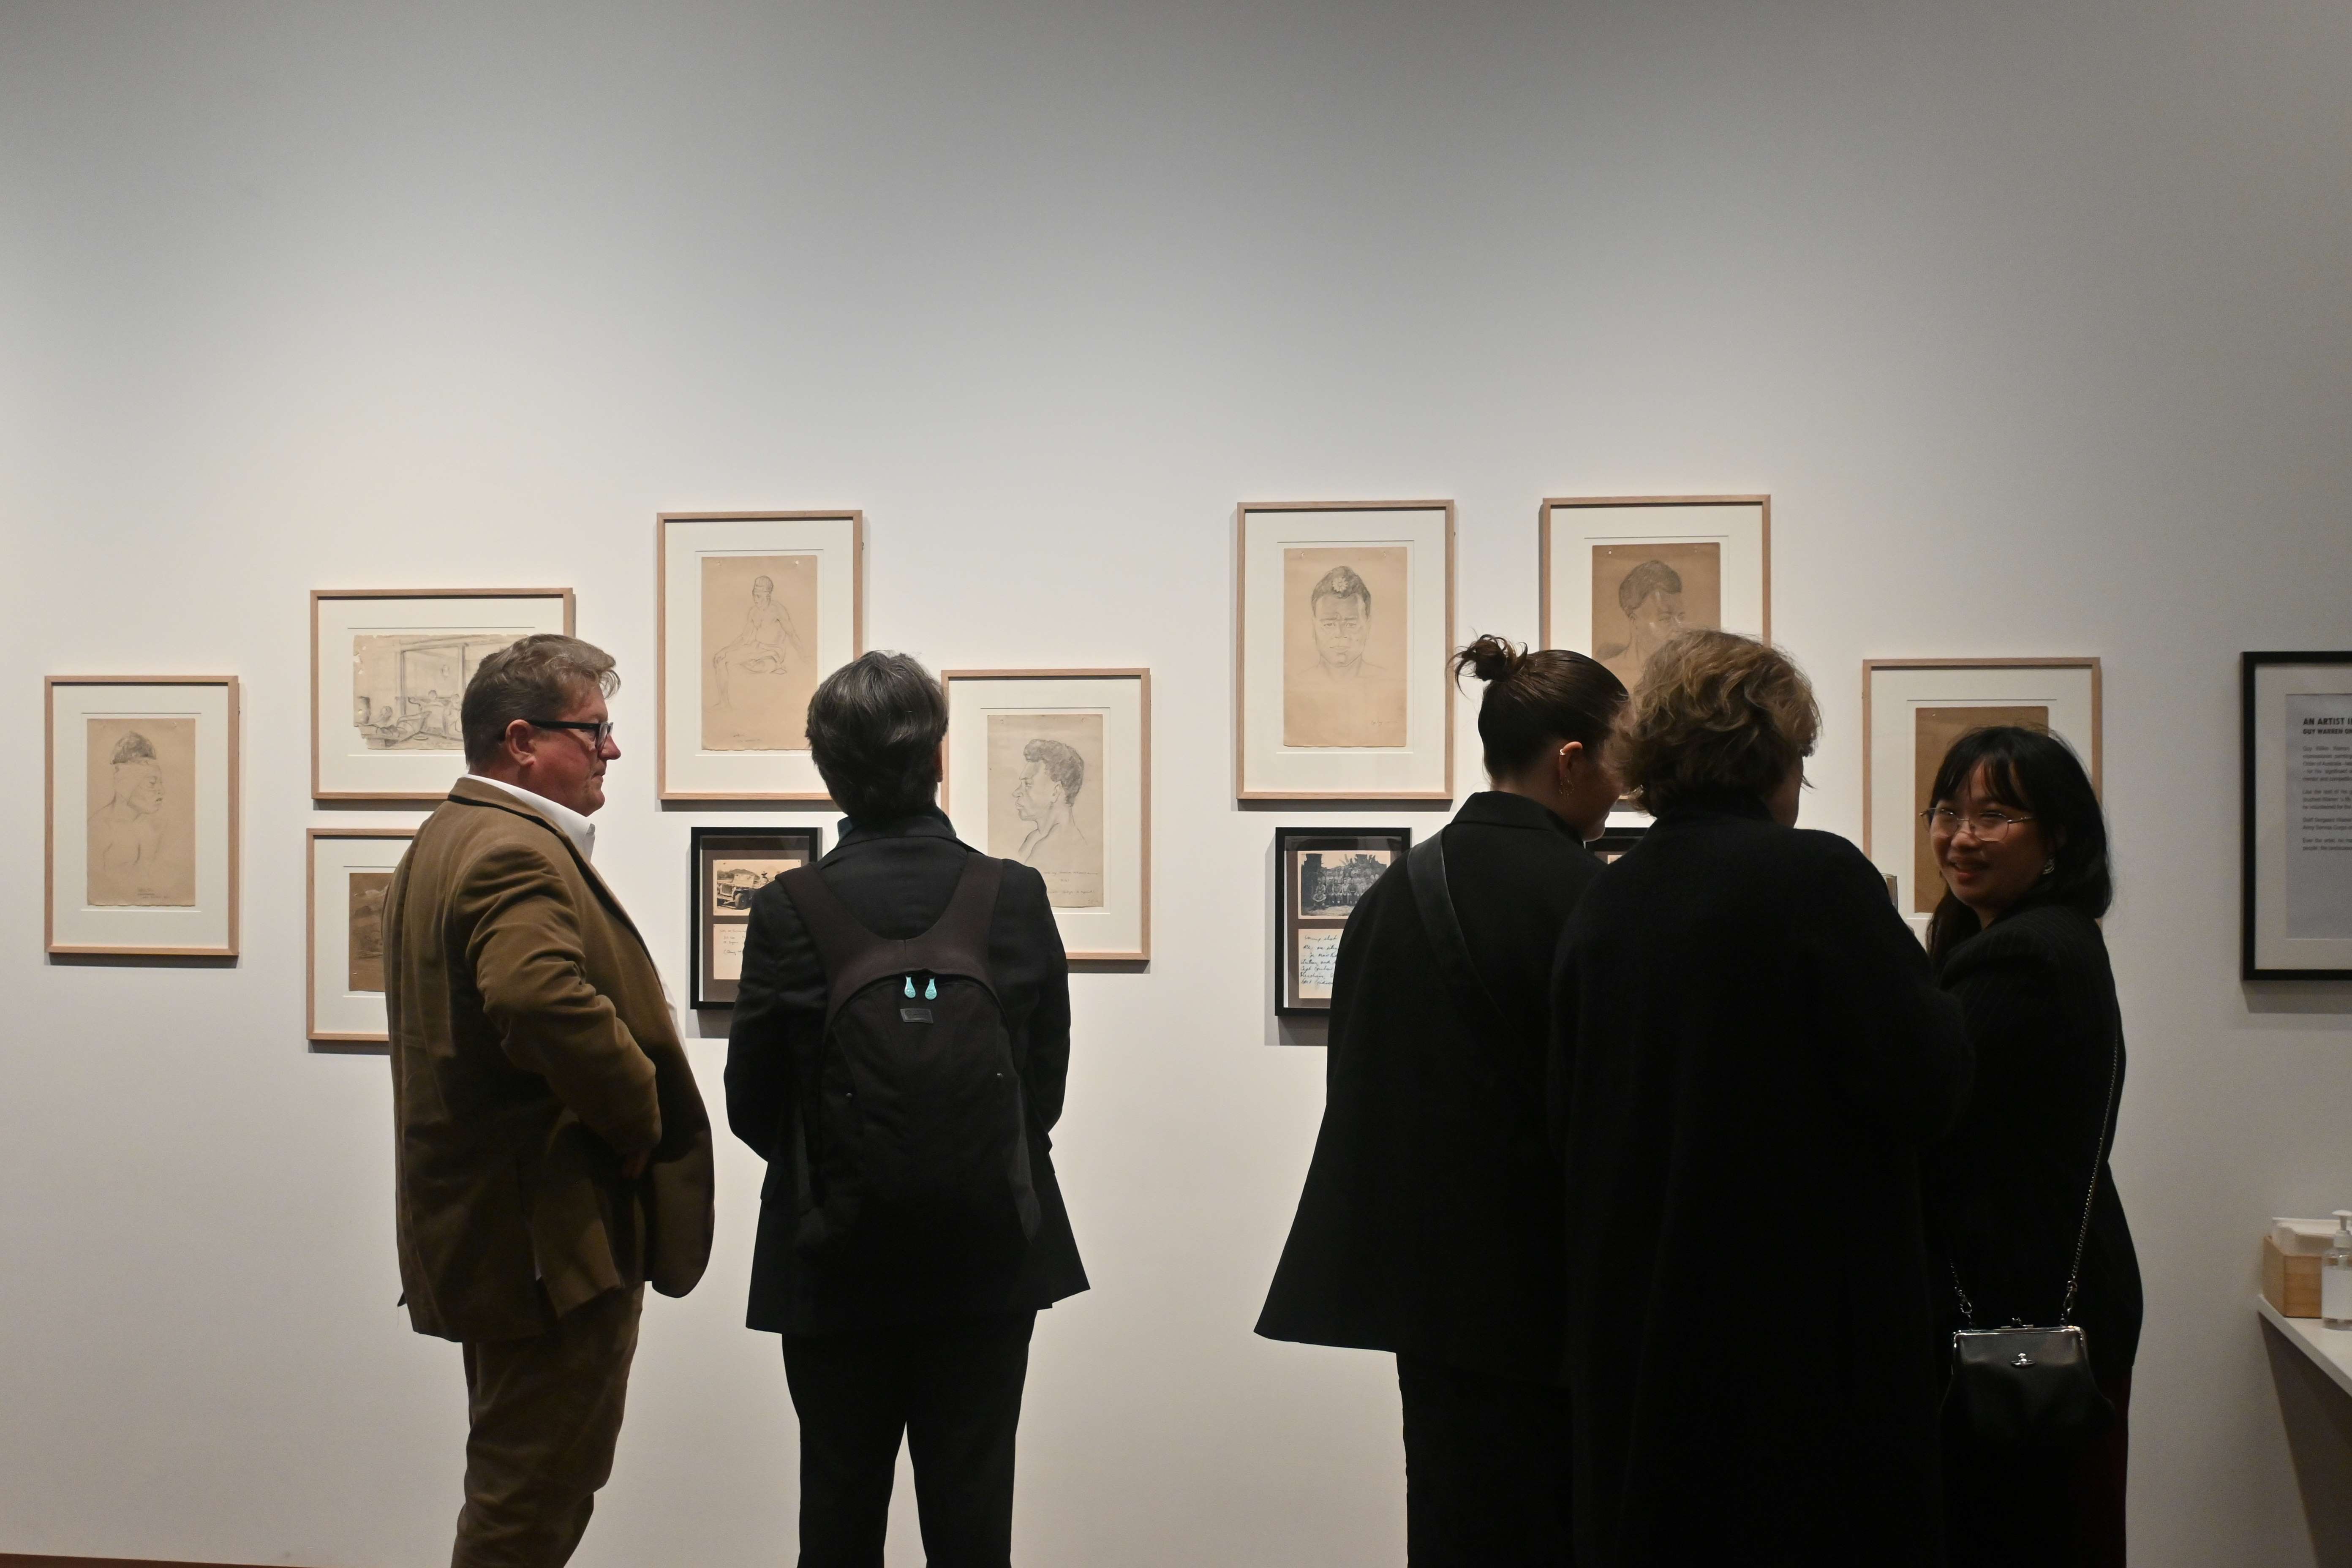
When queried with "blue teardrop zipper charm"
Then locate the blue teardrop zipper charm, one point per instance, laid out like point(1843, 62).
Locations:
point(910, 985)
point(931, 990)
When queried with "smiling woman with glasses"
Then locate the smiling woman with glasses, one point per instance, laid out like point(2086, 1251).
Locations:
point(2020, 1189)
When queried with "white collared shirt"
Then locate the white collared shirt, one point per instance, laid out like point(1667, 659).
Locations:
point(576, 828)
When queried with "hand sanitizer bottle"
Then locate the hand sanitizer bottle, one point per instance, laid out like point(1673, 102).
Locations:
point(2335, 1276)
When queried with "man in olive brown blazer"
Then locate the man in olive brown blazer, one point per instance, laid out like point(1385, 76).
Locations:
point(552, 1153)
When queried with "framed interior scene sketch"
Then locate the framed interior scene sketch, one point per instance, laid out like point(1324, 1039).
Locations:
point(1912, 712)
point(2298, 807)
point(1053, 768)
point(1622, 575)
point(754, 609)
point(1343, 620)
point(141, 852)
point(729, 866)
point(388, 674)
point(1319, 875)
point(350, 870)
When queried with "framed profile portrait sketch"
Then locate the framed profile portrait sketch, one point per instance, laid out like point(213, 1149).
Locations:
point(1344, 617)
point(1912, 712)
point(1053, 768)
point(729, 867)
point(1319, 875)
point(754, 609)
point(142, 819)
point(349, 871)
point(1622, 575)
point(388, 673)
point(2298, 810)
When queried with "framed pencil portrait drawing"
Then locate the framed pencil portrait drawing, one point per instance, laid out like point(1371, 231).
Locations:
point(2298, 810)
point(1319, 873)
point(729, 866)
point(142, 820)
point(388, 673)
point(1343, 618)
point(1912, 712)
point(350, 872)
point(754, 609)
point(1053, 768)
point(1622, 575)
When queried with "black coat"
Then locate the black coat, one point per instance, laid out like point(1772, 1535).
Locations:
point(1431, 1222)
point(897, 879)
point(2005, 1189)
point(1749, 1057)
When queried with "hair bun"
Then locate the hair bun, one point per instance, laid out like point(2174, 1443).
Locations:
point(1490, 658)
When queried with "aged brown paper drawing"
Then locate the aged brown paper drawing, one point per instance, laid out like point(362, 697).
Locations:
point(1935, 729)
point(759, 651)
point(1344, 645)
point(1332, 880)
point(367, 892)
point(735, 880)
point(1643, 594)
point(408, 687)
point(1045, 800)
point(142, 801)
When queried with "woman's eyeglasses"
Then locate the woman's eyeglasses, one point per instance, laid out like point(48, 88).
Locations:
point(1991, 825)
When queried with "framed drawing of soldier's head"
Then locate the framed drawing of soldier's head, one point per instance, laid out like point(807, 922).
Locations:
point(350, 875)
point(1053, 768)
point(1319, 873)
point(1344, 617)
point(389, 669)
point(1622, 575)
point(755, 608)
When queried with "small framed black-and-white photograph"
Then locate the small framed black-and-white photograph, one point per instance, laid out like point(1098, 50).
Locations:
point(2298, 809)
point(729, 866)
point(1319, 873)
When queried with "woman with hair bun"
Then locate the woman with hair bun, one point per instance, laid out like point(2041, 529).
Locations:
point(1430, 1226)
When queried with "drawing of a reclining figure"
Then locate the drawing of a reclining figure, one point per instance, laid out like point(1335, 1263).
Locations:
point(759, 648)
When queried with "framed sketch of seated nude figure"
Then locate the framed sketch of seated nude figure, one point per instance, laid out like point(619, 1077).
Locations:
point(141, 856)
point(755, 608)
point(349, 871)
point(1344, 616)
point(388, 674)
point(1053, 768)
point(1319, 875)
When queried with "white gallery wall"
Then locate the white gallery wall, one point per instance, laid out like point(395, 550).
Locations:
point(2032, 319)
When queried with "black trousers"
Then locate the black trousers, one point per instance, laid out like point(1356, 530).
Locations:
point(953, 1388)
point(1485, 1468)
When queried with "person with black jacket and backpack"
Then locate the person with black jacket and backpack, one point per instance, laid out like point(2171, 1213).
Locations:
point(901, 1039)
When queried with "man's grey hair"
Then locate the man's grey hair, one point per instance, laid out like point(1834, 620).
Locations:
point(1068, 768)
point(537, 677)
point(1340, 582)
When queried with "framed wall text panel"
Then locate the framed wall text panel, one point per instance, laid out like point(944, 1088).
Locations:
point(2298, 815)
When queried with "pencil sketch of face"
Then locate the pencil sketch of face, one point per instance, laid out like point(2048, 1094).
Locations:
point(1643, 594)
point(1344, 645)
point(408, 689)
point(1045, 800)
point(1934, 730)
point(142, 813)
point(759, 651)
point(367, 894)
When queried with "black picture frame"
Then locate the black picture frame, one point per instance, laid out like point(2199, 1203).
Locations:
point(1332, 891)
point(2251, 744)
point(1614, 841)
point(713, 908)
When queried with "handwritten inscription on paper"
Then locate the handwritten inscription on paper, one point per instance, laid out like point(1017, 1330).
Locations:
point(1319, 952)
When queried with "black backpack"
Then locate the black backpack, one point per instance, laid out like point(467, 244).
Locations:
point(911, 1148)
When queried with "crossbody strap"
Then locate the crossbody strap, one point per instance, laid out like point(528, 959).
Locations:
point(1425, 866)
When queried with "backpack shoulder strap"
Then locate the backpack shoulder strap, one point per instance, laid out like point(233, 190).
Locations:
point(854, 956)
point(957, 943)
point(1425, 868)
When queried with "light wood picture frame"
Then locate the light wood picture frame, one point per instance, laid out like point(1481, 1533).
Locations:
point(1343, 621)
point(2295, 809)
point(388, 673)
point(726, 868)
point(1319, 875)
point(143, 814)
point(1912, 708)
point(345, 874)
point(1053, 768)
point(752, 609)
point(1617, 575)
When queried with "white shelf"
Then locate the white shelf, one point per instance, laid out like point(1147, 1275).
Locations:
point(2330, 1348)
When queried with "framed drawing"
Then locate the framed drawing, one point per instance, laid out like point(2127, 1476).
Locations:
point(1319, 875)
point(1619, 574)
point(1053, 768)
point(388, 674)
point(350, 870)
point(1343, 618)
point(140, 846)
point(729, 866)
point(1912, 712)
point(2298, 809)
point(753, 609)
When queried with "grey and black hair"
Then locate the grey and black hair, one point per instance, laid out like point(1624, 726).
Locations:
point(1340, 582)
point(1068, 768)
point(1650, 578)
point(537, 677)
point(133, 747)
point(875, 727)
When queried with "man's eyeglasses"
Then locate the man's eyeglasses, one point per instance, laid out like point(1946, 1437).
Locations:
point(1991, 825)
point(601, 732)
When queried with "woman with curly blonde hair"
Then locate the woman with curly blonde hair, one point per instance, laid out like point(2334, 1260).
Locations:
point(1749, 1057)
